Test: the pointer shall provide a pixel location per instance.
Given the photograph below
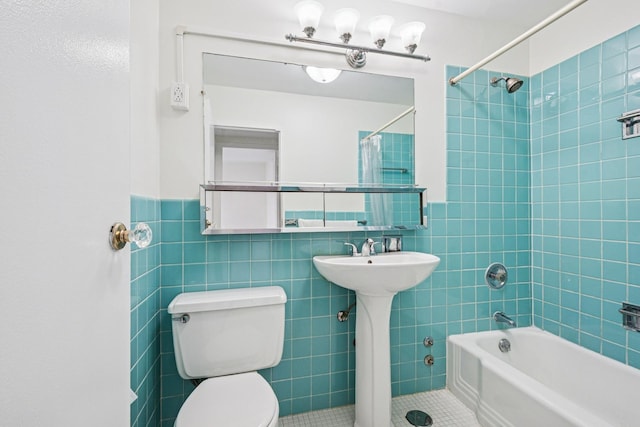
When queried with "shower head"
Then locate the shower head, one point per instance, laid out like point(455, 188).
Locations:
point(512, 84)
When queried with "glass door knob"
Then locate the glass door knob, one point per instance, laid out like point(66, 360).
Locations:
point(141, 235)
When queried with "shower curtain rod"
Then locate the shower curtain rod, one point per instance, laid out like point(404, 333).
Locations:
point(392, 121)
point(559, 14)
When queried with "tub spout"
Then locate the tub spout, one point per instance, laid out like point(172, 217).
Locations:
point(500, 317)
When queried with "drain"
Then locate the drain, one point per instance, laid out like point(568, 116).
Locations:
point(504, 345)
point(419, 418)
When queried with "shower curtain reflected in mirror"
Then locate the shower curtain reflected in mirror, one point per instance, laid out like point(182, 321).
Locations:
point(378, 204)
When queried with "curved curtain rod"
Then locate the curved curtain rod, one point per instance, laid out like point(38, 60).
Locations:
point(559, 14)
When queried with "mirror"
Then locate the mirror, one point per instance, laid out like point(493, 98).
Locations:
point(268, 122)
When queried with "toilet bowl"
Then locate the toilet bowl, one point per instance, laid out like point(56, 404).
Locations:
point(224, 337)
point(239, 400)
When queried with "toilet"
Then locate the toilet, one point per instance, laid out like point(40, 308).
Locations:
point(225, 336)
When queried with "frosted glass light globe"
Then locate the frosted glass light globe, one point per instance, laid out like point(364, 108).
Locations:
point(309, 12)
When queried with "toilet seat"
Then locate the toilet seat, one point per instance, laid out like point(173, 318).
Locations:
point(238, 400)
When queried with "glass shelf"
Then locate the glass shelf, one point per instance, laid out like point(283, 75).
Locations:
point(279, 207)
point(282, 187)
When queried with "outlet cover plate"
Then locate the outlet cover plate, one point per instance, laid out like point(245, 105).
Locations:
point(180, 96)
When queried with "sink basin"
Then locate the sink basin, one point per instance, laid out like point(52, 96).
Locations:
point(383, 273)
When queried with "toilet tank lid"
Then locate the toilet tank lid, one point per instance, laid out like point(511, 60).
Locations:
point(226, 299)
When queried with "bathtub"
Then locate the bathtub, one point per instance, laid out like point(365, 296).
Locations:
point(543, 380)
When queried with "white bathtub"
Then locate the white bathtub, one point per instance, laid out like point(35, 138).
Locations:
point(543, 381)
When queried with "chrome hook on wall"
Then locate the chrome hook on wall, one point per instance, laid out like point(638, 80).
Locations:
point(119, 236)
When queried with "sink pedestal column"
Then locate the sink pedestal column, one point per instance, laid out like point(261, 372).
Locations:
point(375, 281)
point(373, 360)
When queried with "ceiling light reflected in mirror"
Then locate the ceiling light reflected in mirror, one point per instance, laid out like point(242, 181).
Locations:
point(322, 75)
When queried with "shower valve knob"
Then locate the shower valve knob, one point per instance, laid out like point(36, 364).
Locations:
point(496, 275)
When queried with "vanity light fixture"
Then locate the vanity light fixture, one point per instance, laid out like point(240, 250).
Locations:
point(411, 33)
point(345, 20)
point(380, 27)
point(309, 12)
point(322, 75)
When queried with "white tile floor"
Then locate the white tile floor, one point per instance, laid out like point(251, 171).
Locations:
point(444, 408)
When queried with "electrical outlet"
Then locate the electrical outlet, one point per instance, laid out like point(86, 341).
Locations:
point(180, 96)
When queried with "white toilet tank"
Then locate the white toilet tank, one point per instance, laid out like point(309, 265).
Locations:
point(227, 331)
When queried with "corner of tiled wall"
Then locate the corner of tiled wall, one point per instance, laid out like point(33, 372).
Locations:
point(145, 318)
point(586, 197)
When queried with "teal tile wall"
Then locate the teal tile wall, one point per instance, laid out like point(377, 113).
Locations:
point(486, 220)
point(397, 154)
point(145, 317)
point(329, 215)
point(345, 216)
point(317, 368)
point(585, 189)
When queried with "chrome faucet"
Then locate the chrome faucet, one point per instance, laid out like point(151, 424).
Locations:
point(500, 317)
point(368, 247)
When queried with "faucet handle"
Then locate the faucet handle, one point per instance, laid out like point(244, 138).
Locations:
point(367, 247)
point(372, 246)
point(354, 249)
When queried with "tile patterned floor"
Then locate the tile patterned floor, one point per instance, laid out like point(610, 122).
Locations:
point(444, 408)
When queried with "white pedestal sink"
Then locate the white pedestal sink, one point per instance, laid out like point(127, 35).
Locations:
point(375, 280)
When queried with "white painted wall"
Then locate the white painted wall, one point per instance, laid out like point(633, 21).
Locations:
point(309, 137)
point(590, 24)
point(64, 179)
point(448, 39)
point(145, 138)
